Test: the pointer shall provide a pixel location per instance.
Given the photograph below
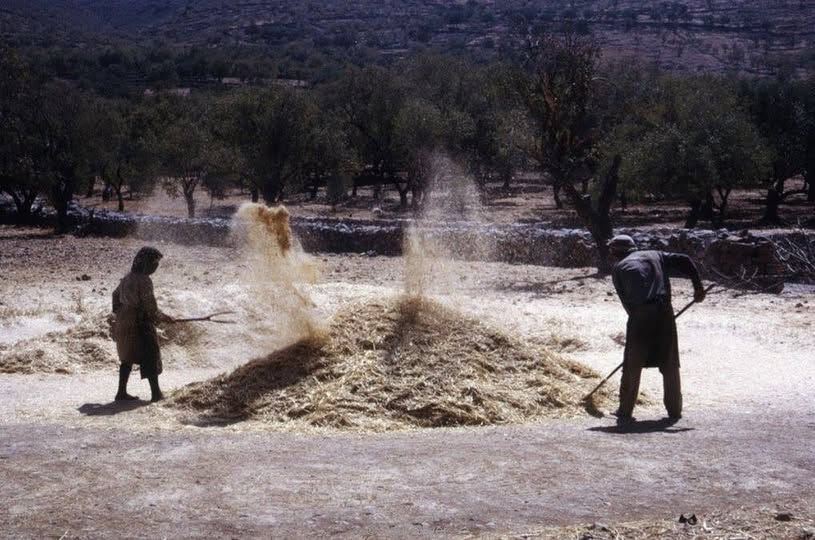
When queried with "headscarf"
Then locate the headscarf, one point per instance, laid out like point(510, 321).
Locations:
point(144, 259)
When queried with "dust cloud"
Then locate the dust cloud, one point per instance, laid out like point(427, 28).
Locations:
point(443, 230)
point(276, 268)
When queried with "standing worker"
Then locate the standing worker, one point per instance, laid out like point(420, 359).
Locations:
point(135, 328)
point(641, 279)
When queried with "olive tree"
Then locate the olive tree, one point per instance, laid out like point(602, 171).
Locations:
point(368, 101)
point(557, 87)
point(20, 150)
point(186, 147)
point(64, 125)
point(126, 147)
point(691, 140)
point(273, 131)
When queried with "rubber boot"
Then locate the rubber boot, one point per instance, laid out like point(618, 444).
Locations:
point(154, 389)
point(124, 374)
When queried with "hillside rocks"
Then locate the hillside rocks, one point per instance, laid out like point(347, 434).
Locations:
point(757, 37)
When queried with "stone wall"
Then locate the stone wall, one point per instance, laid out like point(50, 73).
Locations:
point(744, 260)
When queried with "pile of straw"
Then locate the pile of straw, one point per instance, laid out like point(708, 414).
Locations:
point(394, 364)
point(82, 347)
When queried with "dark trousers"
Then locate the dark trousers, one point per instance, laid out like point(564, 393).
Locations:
point(651, 341)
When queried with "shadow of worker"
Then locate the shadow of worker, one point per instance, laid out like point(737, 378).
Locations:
point(114, 407)
point(663, 425)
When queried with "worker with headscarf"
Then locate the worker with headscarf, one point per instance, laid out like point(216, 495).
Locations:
point(641, 279)
point(137, 315)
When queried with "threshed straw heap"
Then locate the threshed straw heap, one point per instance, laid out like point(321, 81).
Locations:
point(394, 363)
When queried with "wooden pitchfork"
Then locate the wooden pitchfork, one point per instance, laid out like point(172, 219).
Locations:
point(209, 318)
point(680, 312)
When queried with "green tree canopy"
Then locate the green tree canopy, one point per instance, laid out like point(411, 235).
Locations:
point(690, 139)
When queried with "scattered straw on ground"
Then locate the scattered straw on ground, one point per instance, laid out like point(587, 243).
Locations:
point(792, 519)
point(85, 346)
point(399, 363)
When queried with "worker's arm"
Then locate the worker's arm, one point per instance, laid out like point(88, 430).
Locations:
point(148, 304)
point(117, 302)
point(680, 265)
point(154, 314)
point(618, 286)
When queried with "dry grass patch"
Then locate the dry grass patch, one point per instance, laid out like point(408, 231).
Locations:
point(85, 345)
point(394, 364)
point(791, 519)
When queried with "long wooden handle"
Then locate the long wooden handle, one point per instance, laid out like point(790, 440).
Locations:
point(207, 318)
point(616, 369)
point(596, 388)
point(684, 309)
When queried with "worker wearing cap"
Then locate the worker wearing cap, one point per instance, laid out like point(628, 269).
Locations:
point(641, 279)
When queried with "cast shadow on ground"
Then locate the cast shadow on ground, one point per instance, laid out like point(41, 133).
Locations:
point(541, 289)
point(204, 421)
point(663, 425)
point(238, 392)
point(114, 407)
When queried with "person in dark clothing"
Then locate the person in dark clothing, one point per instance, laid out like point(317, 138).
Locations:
point(642, 281)
point(136, 317)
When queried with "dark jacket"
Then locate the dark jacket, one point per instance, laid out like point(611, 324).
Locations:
point(643, 285)
point(643, 276)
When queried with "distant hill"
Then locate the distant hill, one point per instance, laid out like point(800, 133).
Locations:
point(758, 37)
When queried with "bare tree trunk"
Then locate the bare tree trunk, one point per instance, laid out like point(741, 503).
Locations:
point(272, 188)
point(403, 195)
point(120, 197)
point(706, 210)
point(91, 185)
point(556, 194)
point(773, 201)
point(119, 188)
point(188, 189)
point(693, 216)
point(188, 197)
point(597, 218)
point(61, 195)
point(23, 201)
point(724, 193)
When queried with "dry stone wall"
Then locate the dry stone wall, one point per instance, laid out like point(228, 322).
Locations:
point(744, 260)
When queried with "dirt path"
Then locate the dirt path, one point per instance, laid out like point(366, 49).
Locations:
point(91, 482)
point(68, 465)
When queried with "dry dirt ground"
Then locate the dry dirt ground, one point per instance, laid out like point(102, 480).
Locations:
point(73, 464)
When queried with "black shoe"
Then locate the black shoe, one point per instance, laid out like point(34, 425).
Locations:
point(157, 397)
point(692, 520)
point(125, 397)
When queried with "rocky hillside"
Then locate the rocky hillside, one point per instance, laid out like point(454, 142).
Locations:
point(758, 37)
